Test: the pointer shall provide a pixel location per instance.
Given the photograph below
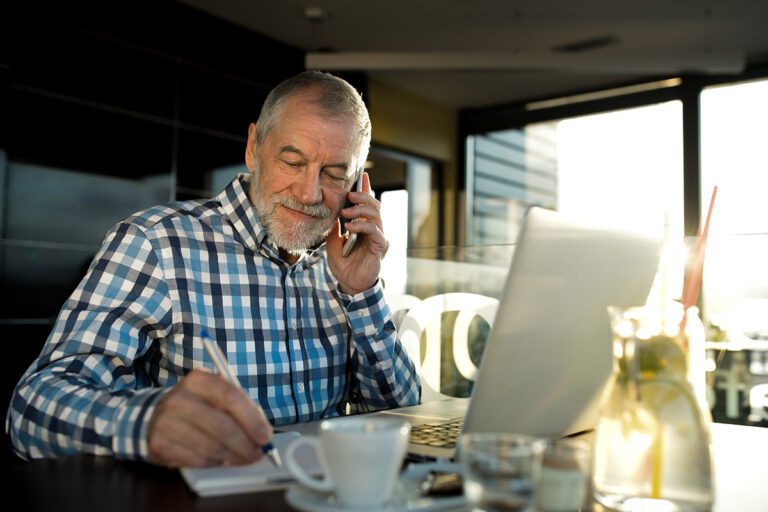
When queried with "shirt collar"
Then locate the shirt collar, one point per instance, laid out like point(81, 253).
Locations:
point(242, 215)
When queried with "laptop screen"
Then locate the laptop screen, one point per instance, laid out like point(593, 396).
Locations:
point(549, 353)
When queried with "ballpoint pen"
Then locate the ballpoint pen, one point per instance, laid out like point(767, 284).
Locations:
point(222, 367)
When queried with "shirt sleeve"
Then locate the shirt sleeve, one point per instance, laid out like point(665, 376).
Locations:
point(385, 373)
point(86, 392)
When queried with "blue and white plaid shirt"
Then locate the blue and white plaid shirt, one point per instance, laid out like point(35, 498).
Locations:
point(132, 328)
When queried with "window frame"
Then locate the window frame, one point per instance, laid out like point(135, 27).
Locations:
point(687, 91)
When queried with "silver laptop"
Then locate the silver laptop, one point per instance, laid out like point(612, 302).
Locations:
point(549, 354)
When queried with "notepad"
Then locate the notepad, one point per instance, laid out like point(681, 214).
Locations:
point(261, 476)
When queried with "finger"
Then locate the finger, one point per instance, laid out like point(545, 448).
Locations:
point(363, 198)
point(175, 455)
point(183, 445)
point(361, 202)
point(188, 420)
point(373, 234)
point(366, 194)
point(369, 229)
point(335, 239)
point(213, 433)
point(362, 212)
point(171, 440)
point(367, 185)
point(365, 216)
point(206, 446)
point(235, 402)
point(226, 439)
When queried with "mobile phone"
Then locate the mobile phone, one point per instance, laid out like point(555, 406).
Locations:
point(351, 237)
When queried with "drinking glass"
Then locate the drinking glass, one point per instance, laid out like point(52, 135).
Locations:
point(500, 470)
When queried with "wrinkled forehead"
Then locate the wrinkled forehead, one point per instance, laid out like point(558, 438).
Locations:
point(308, 101)
point(311, 130)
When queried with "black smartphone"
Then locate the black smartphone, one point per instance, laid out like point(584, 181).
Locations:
point(351, 237)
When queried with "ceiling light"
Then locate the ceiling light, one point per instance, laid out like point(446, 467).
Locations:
point(619, 62)
point(607, 93)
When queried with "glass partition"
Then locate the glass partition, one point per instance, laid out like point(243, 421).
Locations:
point(735, 306)
point(459, 288)
point(449, 280)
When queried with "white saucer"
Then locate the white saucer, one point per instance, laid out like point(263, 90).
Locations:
point(407, 495)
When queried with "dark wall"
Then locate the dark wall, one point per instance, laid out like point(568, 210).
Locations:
point(107, 108)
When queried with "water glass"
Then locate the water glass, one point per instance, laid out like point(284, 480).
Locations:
point(500, 470)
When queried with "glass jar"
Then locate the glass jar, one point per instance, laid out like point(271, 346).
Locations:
point(653, 443)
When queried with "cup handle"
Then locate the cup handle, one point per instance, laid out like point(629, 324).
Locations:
point(323, 484)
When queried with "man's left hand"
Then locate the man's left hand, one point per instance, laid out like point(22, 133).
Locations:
point(360, 269)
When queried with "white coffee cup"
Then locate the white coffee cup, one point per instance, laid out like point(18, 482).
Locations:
point(361, 459)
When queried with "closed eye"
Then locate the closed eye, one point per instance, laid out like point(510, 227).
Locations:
point(336, 177)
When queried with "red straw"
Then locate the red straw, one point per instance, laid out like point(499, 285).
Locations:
point(693, 280)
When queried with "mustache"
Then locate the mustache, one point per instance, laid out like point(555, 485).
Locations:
point(318, 211)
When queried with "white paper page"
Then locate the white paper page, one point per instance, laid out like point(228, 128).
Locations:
point(261, 476)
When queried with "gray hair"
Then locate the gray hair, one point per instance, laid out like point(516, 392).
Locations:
point(336, 98)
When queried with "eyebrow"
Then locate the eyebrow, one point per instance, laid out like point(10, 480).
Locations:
point(289, 148)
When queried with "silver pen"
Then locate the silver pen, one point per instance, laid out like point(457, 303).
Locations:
point(223, 368)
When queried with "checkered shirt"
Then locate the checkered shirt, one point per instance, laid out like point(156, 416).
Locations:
point(131, 329)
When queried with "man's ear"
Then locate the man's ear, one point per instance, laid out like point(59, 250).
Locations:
point(250, 148)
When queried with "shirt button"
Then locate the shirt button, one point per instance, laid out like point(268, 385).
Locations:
point(301, 386)
point(294, 325)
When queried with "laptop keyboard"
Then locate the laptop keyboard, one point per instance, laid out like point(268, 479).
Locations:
point(439, 435)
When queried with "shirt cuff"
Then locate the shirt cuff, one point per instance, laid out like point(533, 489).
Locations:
point(131, 424)
point(367, 311)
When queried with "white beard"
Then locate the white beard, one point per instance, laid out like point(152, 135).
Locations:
point(294, 237)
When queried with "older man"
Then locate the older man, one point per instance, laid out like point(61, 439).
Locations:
point(260, 266)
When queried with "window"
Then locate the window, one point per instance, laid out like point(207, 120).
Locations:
point(733, 128)
point(406, 186)
point(621, 160)
point(623, 166)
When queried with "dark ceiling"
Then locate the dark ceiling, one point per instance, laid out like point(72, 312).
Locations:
point(488, 52)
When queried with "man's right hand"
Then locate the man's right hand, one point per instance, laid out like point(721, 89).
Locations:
point(206, 421)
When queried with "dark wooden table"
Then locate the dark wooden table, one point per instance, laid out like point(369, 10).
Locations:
point(86, 483)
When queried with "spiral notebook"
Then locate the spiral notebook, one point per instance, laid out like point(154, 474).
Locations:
point(261, 476)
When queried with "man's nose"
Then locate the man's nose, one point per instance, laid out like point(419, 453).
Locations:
point(308, 189)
